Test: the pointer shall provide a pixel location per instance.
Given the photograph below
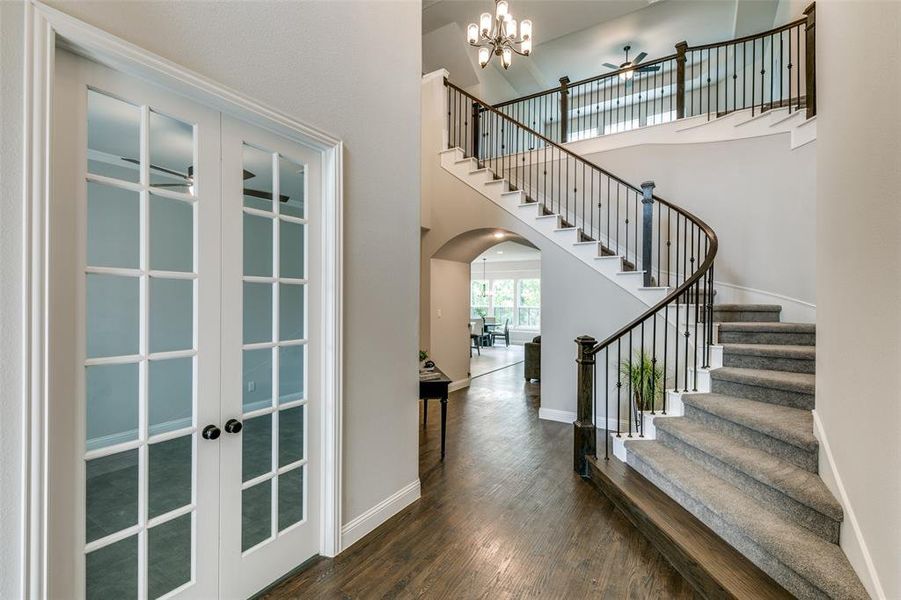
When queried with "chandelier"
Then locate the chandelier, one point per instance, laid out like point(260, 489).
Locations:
point(497, 36)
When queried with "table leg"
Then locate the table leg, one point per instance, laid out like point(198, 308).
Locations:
point(425, 411)
point(443, 423)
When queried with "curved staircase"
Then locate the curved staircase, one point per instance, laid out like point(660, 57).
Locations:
point(732, 441)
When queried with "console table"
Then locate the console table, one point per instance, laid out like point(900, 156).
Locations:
point(435, 389)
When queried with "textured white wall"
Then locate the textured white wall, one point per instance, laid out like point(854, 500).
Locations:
point(859, 271)
point(363, 90)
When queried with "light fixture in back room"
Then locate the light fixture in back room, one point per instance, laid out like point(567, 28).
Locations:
point(496, 36)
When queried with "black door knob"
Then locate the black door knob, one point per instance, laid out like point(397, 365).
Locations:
point(210, 432)
point(233, 426)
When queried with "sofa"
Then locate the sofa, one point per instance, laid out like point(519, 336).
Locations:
point(532, 365)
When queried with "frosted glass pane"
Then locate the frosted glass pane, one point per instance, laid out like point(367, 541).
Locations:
point(291, 312)
point(257, 379)
point(291, 373)
point(257, 178)
point(171, 153)
point(171, 234)
point(169, 484)
point(111, 489)
point(291, 250)
point(169, 556)
point(290, 435)
point(290, 498)
point(171, 314)
point(113, 227)
point(256, 514)
point(112, 315)
point(291, 187)
point(257, 246)
point(112, 404)
point(171, 394)
point(114, 137)
point(112, 571)
point(256, 447)
point(257, 312)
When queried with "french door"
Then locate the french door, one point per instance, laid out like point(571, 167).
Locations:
point(182, 294)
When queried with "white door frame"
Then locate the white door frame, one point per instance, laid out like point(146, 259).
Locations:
point(45, 30)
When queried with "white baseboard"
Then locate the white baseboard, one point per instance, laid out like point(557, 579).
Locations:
point(378, 514)
point(552, 414)
point(459, 384)
point(851, 539)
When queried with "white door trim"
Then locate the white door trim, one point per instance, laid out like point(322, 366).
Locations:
point(45, 29)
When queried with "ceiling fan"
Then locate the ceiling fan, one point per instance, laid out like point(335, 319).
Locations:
point(189, 180)
point(630, 67)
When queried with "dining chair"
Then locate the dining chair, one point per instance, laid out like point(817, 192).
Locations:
point(476, 328)
point(505, 334)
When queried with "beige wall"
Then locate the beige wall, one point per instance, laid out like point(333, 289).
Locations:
point(757, 194)
point(449, 317)
point(315, 61)
point(859, 274)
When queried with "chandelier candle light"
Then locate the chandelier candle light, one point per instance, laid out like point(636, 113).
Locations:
point(497, 36)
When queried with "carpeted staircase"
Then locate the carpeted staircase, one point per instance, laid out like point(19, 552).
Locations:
point(743, 458)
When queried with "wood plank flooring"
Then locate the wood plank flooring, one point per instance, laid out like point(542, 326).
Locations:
point(503, 517)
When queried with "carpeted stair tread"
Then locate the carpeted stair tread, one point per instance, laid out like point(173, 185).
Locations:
point(804, 383)
point(769, 327)
point(772, 350)
point(820, 568)
point(793, 426)
point(793, 481)
point(748, 307)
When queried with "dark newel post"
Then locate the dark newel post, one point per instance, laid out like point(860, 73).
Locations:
point(564, 107)
point(681, 47)
point(584, 438)
point(811, 59)
point(476, 113)
point(647, 235)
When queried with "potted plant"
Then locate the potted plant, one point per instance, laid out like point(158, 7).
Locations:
point(481, 312)
point(646, 379)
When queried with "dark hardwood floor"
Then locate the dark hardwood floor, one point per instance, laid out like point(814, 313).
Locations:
point(503, 517)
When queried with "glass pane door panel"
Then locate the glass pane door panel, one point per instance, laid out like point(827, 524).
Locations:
point(112, 494)
point(290, 436)
point(112, 404)
point(291, 250)
point(257, 447)
point(171, 154)
point(169, 556)
point(257, 379)
point(257, 245)
point(170, 475)
point(112, 571)
point(171, 234)
point(256, 514)
point(113, 309)
point(291, 367)
point(114, 226)
point(291, 187)
point(291, 312)
point(171, 314)
point(257, 312)
point(290, 497)
point(114, 137)
point(257, 178)
point(171, 395)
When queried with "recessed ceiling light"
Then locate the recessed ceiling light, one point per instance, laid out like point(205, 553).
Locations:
point(498, 234)
point(500, 251)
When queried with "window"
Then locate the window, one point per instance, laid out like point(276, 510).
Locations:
point(529, 305)
point(502, 290)
point(478, 299)
point(620, 126)
point(516, 299)
point(583, 134)
point(664, 117)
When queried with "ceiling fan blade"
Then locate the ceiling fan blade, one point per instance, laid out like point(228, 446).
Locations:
point(638, 58)
point(264, 195)
point(609, 66)
point(648, 69)
point(158, 168)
